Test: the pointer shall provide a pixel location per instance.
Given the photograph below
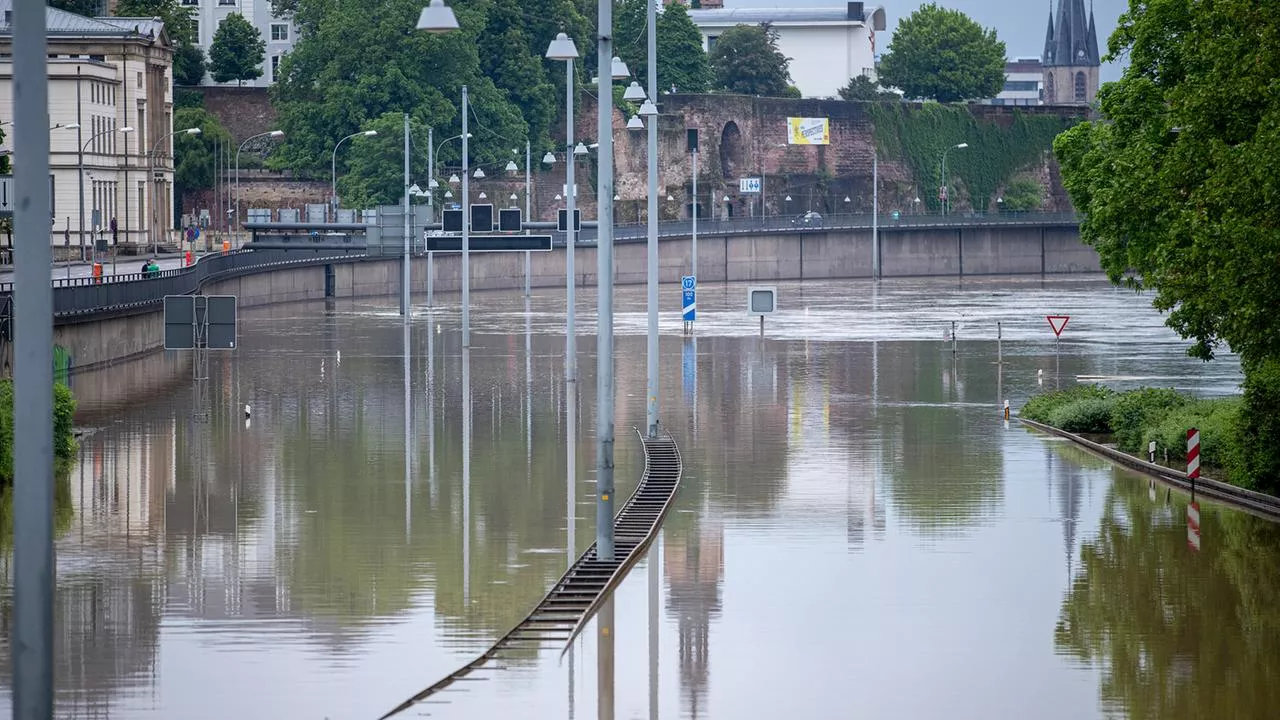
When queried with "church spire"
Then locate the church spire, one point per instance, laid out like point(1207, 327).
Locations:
point(1072, 40)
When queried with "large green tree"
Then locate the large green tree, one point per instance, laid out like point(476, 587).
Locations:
point(746, 61)
point(682, 63)
point(87, 8)
point(1177, 185)
point(188, 58)
point(194, 154)
point(237, 51)
point(943, 55)
point(863, 88)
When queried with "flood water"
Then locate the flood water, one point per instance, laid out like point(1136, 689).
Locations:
point(858, 533)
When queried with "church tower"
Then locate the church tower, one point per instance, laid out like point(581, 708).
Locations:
point(1071, 59)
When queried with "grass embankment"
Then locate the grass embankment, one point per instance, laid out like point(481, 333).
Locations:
point(64, 441)
point(1135, 418)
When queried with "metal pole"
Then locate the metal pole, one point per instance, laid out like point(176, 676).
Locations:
point(695, 215)
point(466, 228)
point(431, 200)
point(115, 241)
point(604, 271)
point(570, 246)
point(652, 411)
point(528, 182)
point(32, 640)
point(79, 165)
point(875, 214)
point(404, 273)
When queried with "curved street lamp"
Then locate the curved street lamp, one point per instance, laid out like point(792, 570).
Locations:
point(124, 131)
point(274, 135)
point(333, 167)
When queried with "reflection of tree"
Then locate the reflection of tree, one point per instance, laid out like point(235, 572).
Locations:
point(694, 567)
point(1179, 634)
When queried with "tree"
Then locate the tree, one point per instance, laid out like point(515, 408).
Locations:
point(746, 61)
point(87, 8)
point(237, 51)
point(943, 55)
point(188, 65)
point(194, 154)
point(682, 62)
point(1176, 185)
point(863, 88)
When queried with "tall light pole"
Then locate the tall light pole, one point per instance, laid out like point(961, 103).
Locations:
point(649, 112)
point(275, 135)
point(404, 263)
point(33, 560)
point(333, 168)
point(563, 48)
point(151, 174)
point(80, 164)
point(946, 192)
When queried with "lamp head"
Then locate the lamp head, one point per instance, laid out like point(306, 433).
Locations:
point(549, 158)
point(453, 179)
point(962, 146)
point(369, 133)
point(437, 17)
point(619, 69)
point(126, 129)
point(648, 109)
point(478, 174)
point(635, 123)
point(562, 48)
point(192, 131)
point(634, 92)
point(511, 166)
point(580, 150)
point(276, 134)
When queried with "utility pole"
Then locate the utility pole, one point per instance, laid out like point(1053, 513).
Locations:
point(604, 271)
point(652, 345)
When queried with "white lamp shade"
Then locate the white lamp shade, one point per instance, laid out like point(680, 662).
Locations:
point(669, 198)
point(559, 197)
point(648, 109)
point(511, 166)
point(433, 184)
point(615, 197)
point(619, 69)
point(634, 92)
point(414, 189)
point(192, 131)
point(562, 48)
point(448, 194)
point(963, 145)
point(580, 149)
point(273, 133)
point(635, 123)
point(129, 129)
point(369, 133)
point(483, 196)
point(513, 197)
point(478, 174)
point(453, 179)
point(437, 17)
point(846, 199)
point(549, 158)
point(726, 198)
point(787, 198)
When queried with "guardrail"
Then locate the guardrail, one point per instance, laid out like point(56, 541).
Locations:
point(135, 292)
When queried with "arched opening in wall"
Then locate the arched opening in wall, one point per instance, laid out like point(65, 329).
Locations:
point(1050, 90)
point(731, 150)
point(1082, 84)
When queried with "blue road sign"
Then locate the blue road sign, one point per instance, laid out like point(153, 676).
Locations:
point(689, 304)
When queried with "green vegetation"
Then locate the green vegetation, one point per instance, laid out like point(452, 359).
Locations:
point(1176, 185)
point(237, 51)
point(940, 54)
point(194, 153)
point(64, 442)
point(919, 135)
point(179, 24)
point(1229, 445)
point(87, 8)
point(1022, 196)
point(746, 61)
point(863, 88)
point(682, 63)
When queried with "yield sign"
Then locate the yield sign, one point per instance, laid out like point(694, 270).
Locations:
point(1058, 323)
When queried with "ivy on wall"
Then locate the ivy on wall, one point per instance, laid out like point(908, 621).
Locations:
point(920, 134)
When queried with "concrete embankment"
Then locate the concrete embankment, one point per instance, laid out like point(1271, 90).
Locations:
point(1256, 503)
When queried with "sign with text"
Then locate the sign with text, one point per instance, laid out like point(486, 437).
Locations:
point(689, 297)
point(808, 131)
point(749, 185)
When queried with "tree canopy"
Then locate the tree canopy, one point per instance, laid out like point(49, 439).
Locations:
point(746, 61)
point(87, 8)
point(188, 58)
point(682, 63)
point(863, 88)
point(943, 55)
point(193, 154)
point(237, 51)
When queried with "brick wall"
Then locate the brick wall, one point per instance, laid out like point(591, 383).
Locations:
point(244, 111)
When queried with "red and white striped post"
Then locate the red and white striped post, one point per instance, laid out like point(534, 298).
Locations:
point(1193, 458)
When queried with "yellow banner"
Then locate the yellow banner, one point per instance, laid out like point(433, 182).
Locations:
point(808, 131)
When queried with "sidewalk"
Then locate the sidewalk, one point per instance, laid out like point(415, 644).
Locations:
point(79, 269)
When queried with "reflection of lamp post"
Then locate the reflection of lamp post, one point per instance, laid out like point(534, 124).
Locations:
point(437, 18)
point(333, 167)
point(946, 194)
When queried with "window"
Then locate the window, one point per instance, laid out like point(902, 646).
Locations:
point(275, 67)
point(139, 79)
point(190, 2)
point(141, 129)
point(711, 42)
point(226, 2)
point(279, 32)
point(195, 29)
point(1021, 86)
point(1081, 87)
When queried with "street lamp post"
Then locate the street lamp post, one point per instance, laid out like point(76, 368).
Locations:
point(275, 134)
point(649, 111)
point(80, 163)
point(333, 168)
point(563, 48)
point(946, 192)
point(151, 173)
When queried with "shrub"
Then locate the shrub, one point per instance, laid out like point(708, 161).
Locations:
point(1041, 407)
point(64, 441)
point(1217, 422)
point(1136, 410)
point(1085, 415)
point(1257, 459)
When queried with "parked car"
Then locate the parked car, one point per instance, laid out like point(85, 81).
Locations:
point(811, 219)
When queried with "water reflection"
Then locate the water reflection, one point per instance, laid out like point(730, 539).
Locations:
point(694, 571)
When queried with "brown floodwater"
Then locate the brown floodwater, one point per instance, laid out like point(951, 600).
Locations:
point(858, 532)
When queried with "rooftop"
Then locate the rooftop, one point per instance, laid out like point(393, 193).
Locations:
point(787, 15)
point(60, 22)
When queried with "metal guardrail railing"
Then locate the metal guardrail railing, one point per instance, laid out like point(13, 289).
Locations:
point(75, 297)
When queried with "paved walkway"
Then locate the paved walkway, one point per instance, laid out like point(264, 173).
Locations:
point(123, 266)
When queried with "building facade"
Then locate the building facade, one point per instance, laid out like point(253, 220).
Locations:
point(111, 111)
point(827, 46)
point(1071, 59)
point(279, 32)
point(1023, 83)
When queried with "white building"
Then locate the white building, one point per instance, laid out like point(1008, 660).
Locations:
point(1023, 83)
point(112, 78)
point(278, 32)
point(827, 46)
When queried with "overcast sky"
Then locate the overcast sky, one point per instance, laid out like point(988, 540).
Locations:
point(1019, 23)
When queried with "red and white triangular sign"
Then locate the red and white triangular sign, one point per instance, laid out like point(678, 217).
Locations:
point(1058, 323)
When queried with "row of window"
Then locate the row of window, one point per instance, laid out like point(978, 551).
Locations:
point(102, 93)
point(279, 31)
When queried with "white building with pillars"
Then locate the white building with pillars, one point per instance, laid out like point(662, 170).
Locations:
point(110, 110)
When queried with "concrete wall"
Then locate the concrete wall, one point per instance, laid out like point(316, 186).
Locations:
point(764, 258)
